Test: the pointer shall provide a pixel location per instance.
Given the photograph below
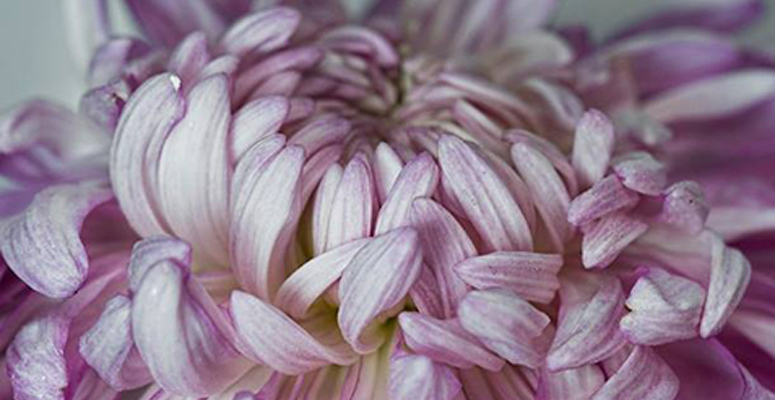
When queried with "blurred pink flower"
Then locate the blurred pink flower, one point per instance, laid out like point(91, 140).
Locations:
point(439, 200)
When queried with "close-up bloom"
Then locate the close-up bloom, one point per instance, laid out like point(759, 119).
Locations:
point(433, 199)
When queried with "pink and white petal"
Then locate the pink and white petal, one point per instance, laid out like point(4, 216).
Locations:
point(255, 121)
point(42, 246)
point(571, 384)
point(38, 351)
point(322, 131)
point(446, 341)
point(591, 305)
point(372, 42)
point(147, 120)
point(182, 335)
point(549, 192)
point(685, 207)
point(377, 280)
point(730, 274)
point(223, 65)
point(316, 167)
point(387, 167)
point(167, 22)
point(506, 324)
point(419, 178)
point(608, 237)
point(265, 211)
point(593, 145)
point(322, 206)
point(416, 377)
point(194, 196)
point(664, 308)
point(639, 171)
point(605, 197)
point(108, 347)
point(354, 205)
point(148, 252)
point(445, 244)
point(264, 31)
point(273, 338)
point(312, 279)
point(426, 295)
point(550, 151)
point(189, 58)
point(532, 276)
point(484, 198)
point(644, 375)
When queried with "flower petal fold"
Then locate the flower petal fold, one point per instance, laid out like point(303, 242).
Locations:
point(508, 325)
point(377, 279)
point(532, 276)
point(605, 197)
point(419, 178)
point(37, 351)
point(354, 205)
point(593, 145)
point(415, 377)
point(639, 171)
point(643, 376)
point(42, 246)
point(730, 274)
point(387, 166)
point(607, 237)
point(263, 31)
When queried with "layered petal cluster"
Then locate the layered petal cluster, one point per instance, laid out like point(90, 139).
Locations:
point(439, 200)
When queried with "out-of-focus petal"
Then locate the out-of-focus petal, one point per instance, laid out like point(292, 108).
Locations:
point(729, 276)
point(263, 31)
point(88, 26)
point(414, 377)
point(644, 375)
point(533, 276)
point(378, 278)
point(43, 247)
point(419, 178)
point(605, 197)
point(190, 56)
point(593, 145)
point(571, 384)
point(607, 238)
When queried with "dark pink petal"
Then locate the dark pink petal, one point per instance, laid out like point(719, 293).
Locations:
point(593, 146)
point(255, 121)
point(147, 120)
point(273, 338)
point(730, 274)
point(414, 377)
point(664, 308)
point(685, 207)
point(640, 172)
point(167, 22)
point(109, 348)
point(263, 31)
point(533, 276)
point(591, 305)
point(42, 246)
point(607, 238)
point(419, 178)
point(571, 384)
point(644, 375)
point(483, 197)
point(506, 324)
point(265, 209)
point(376, 280)
point(445, 244)
point(605, 197)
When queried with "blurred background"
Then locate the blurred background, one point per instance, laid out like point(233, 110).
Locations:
point(36, 61)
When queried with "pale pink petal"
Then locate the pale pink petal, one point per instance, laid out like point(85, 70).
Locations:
point(419, 178)
point(517, 187)
point(426, 294)
point(664, 308)
point(730, 274)
point(147, 120)
point(551, 152)
point(322, 131)
point(549, 192)
point(607, 238)
point(265, 210)
point(263, 31)
point(255, 121)
point(605, 197)
point(387, 167)
point(148, 252)
point(484, 198)
point(189, 57)
point(316, 167)
point(508, 325)
point(644, 376)
point(591, 305)
point(377, 280)
point(445, 244)
point(533, 276)
point(685, 207)
point(42, 246)
point(414, 377)
point(322, 206)
point(571, 384)
point(314, 277)
point(109, 348)
point(194, 196)
point(223, 65)
point(384, 53)
point(508, 383)
point(299, 58)
point(273, 338)
point(446, 341)
point(38, 352)
point(639, 171)
point(354, 205)
point(593, 145)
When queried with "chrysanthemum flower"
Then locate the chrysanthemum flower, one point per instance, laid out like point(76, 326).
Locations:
point(440, 200)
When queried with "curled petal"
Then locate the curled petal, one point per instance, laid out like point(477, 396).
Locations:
point(591, 305)
point(532, 276)
point(507, 325)
point(42, 246)
point(273, 338)
point(593, 145)
point(483, 197)
point(419, 178)
point(263, 31)
point(446, 341)
point(730, 274)
point(640, 172)
point(644, 375)
point(377, 279)
point(665, 308)
point(414, 377)
point(264, 214)
point(607, 238)
point(148, 252)
point(605, 197)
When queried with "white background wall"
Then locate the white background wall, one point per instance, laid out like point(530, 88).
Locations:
point(35, 61)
